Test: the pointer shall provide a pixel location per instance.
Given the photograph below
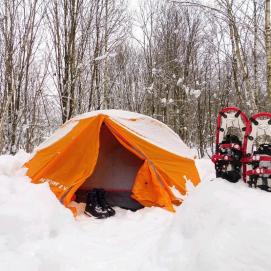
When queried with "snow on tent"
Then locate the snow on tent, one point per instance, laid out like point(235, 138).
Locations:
point(118, 151)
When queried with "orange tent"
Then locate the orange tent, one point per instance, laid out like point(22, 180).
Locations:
point(115, 149)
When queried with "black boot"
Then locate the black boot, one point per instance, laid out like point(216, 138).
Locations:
point(93, 206)
point(104, 203)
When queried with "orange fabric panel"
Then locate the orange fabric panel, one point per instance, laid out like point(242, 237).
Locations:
point(148, 190)
point(172, 167)
point(174, 200)
point(74, 158)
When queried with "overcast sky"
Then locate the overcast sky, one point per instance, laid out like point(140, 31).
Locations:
point(134, 6)
point(133, 3)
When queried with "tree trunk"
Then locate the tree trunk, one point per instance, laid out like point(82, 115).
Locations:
point(268, 47)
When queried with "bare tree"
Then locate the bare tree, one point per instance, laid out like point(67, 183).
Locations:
point(21, 80)
point(268, 46)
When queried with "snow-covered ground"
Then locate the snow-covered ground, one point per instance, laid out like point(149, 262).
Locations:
point(220, 226)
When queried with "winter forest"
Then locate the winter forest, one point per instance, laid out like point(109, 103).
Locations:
point(177, 61)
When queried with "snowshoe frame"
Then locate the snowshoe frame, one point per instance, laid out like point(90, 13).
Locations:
point(252, 169)
point(238, 120)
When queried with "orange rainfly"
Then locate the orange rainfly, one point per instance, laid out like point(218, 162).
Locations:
point(115, 149)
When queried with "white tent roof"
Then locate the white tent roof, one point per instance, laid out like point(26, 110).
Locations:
point(143, 126)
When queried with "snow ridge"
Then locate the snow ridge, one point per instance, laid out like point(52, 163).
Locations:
point(220, 226)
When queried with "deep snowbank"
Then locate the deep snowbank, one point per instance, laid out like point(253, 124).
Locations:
point(220, 226)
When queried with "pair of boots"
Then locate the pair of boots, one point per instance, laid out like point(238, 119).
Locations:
point(97, 206)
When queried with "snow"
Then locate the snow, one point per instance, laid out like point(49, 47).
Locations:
point(150, 88)
point(107, 55)
point(195, 92)
point(164, 101)
point(154, 70)
point(179, 82)
point(220, 226)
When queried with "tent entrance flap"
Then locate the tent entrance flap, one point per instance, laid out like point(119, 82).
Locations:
point(116, 167)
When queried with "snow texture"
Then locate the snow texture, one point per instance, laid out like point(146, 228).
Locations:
point(179, 82)
point(220, 226)
point(107, 55)
point(151, 130)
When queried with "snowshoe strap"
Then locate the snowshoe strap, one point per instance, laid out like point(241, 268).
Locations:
point(258, 171)
point(217, 157)
point(255, 158)
point(230, 146)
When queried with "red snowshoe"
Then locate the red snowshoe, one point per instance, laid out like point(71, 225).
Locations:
point(257, 161)
point(233, 127)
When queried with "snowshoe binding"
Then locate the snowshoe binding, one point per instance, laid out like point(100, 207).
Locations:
point(97, 206)
point(232, 127)
point(257, 162)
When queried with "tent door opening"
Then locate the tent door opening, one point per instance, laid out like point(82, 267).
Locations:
point(115, 172)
